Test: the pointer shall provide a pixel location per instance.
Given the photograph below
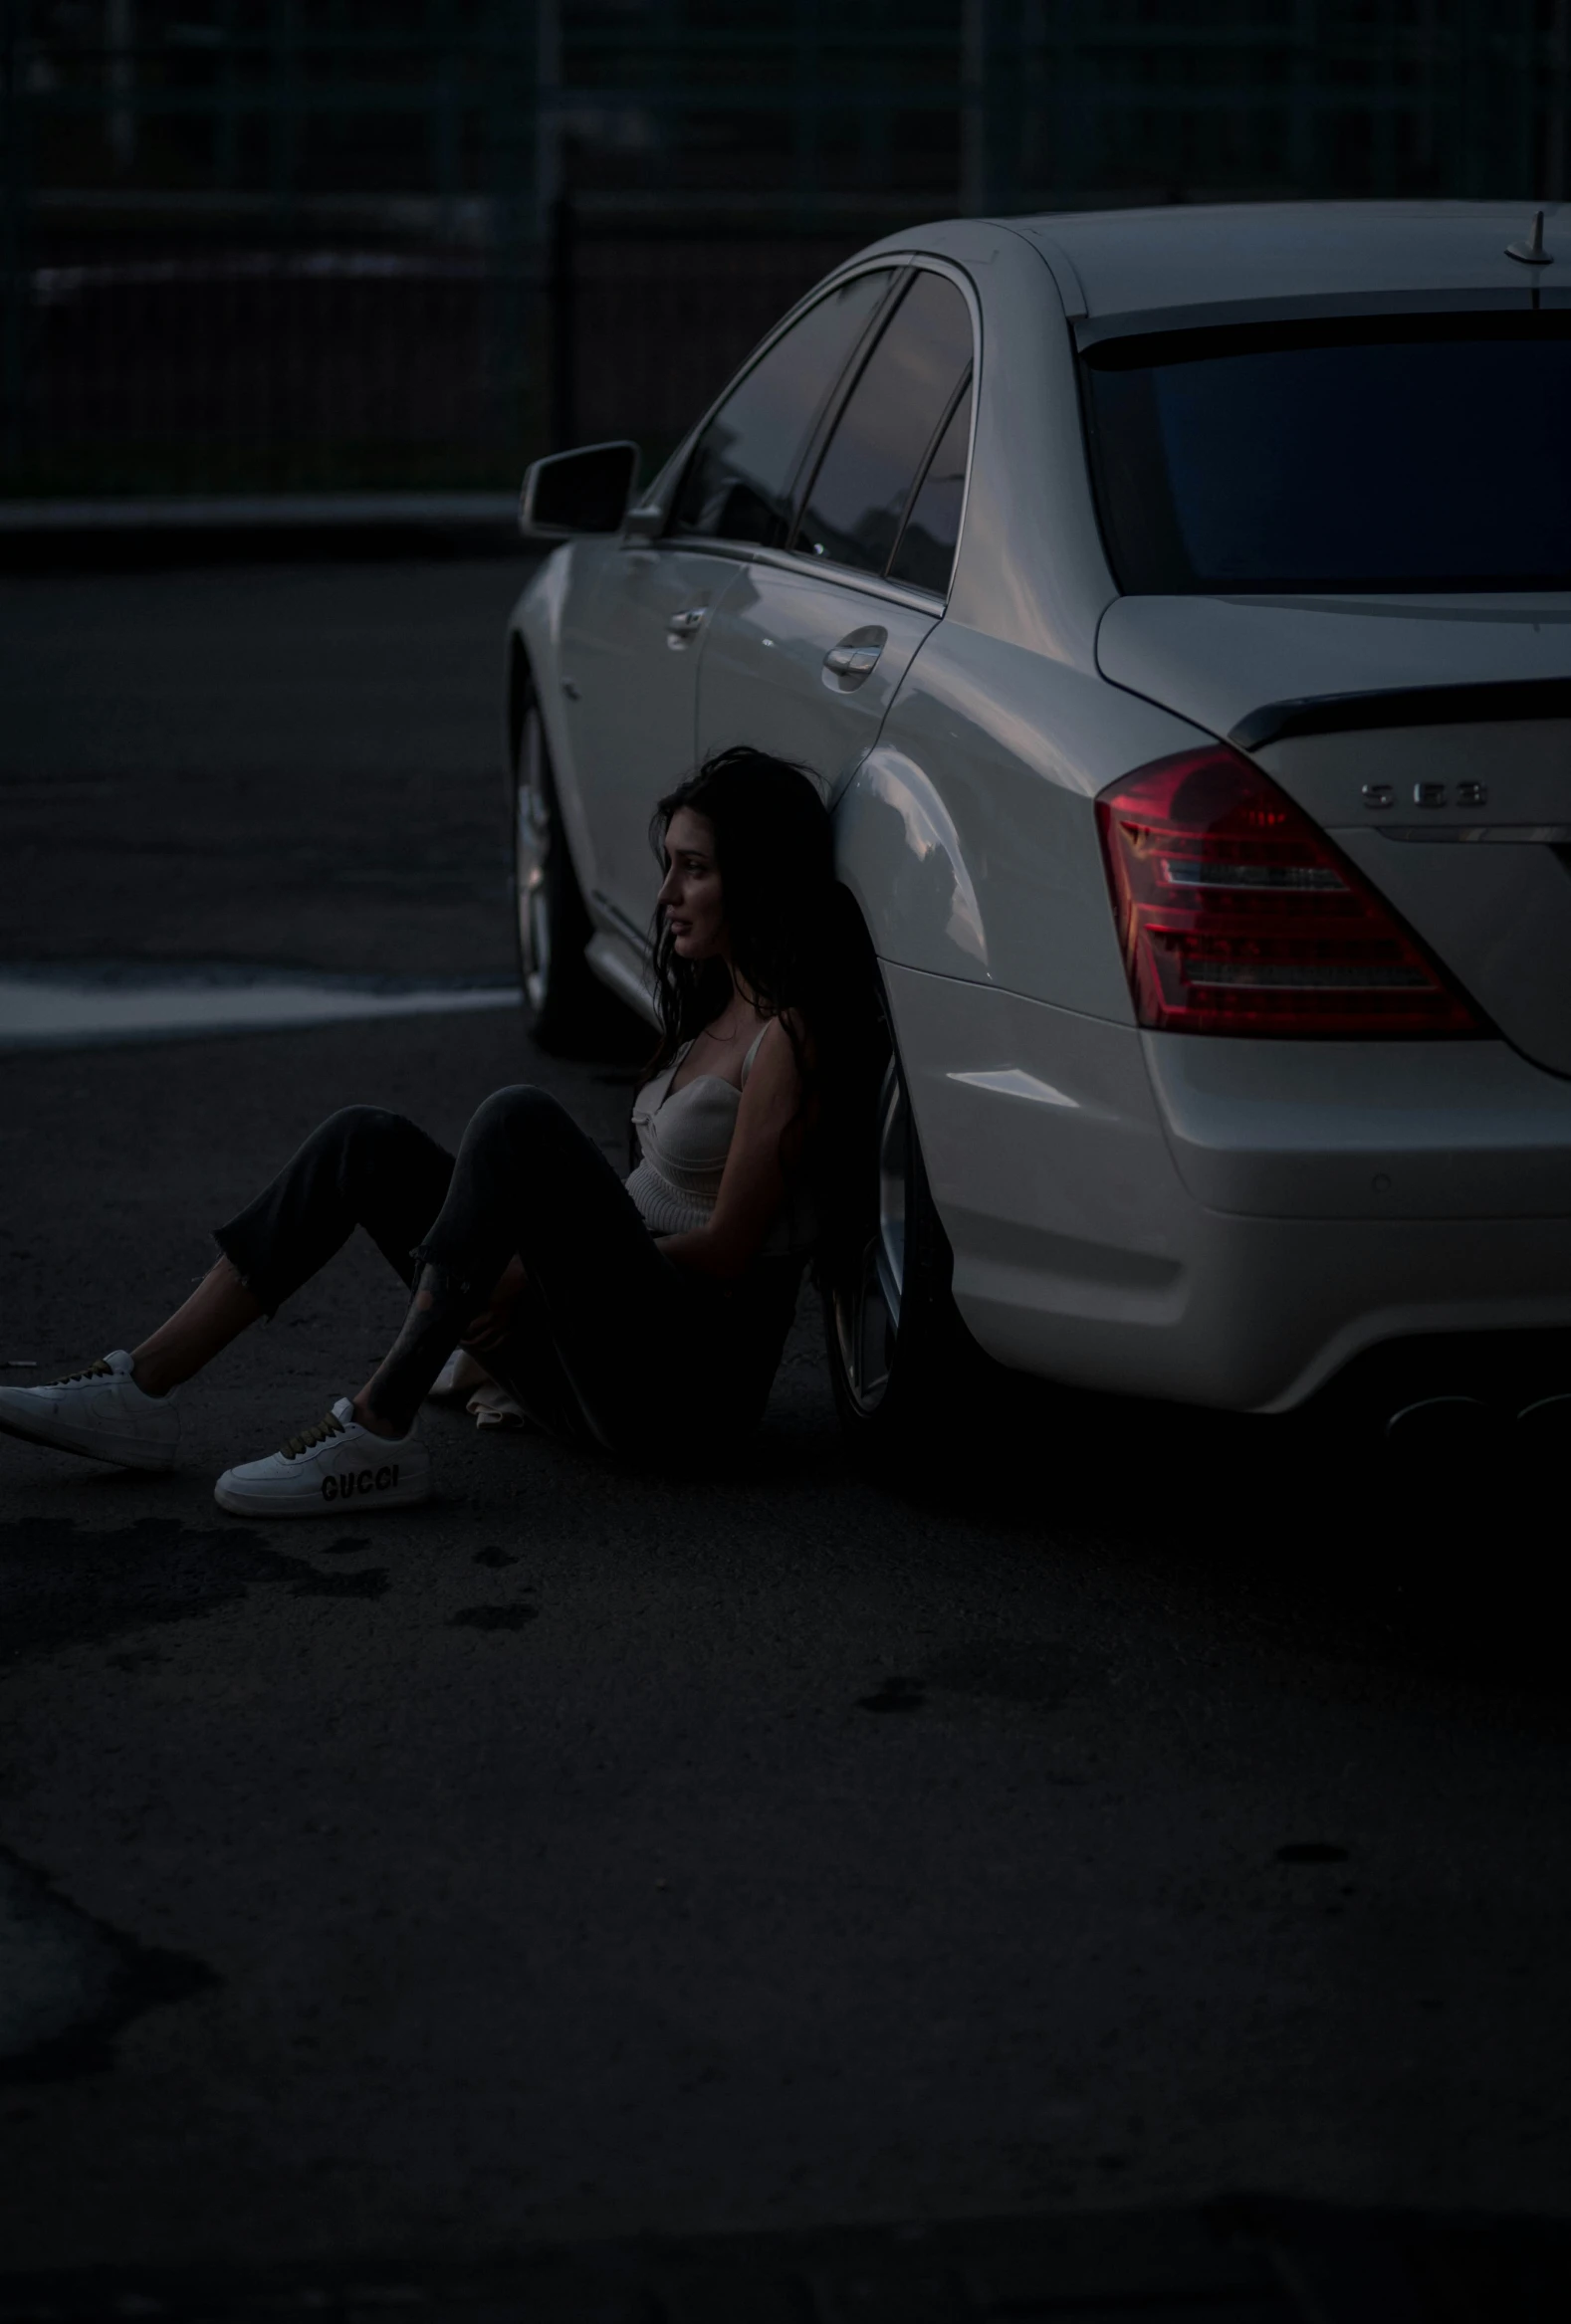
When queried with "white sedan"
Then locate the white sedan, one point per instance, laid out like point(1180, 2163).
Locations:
point(1175, 608)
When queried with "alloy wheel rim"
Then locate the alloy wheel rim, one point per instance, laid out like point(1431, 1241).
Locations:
point(531, 845)
point(867, 1311)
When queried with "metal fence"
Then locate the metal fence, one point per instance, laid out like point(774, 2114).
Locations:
point(649, 324)
point(181, 369)
point(267, 243)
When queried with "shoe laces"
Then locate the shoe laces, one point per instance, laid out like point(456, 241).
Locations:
point(98, 1370)
point(309, 1439)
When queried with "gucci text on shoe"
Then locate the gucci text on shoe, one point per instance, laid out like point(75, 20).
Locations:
point(345, 1487)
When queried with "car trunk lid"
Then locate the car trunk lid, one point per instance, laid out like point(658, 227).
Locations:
point(1431, 739)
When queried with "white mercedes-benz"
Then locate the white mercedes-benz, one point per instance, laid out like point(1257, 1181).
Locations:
point(1175, 608)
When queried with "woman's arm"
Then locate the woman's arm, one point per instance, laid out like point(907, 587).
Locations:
point(752, 1186)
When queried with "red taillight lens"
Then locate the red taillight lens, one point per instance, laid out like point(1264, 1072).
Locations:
point(1236, 916)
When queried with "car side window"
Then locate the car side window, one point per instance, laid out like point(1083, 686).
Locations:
point(925, 554)
point(865, 479)
point(737, 482)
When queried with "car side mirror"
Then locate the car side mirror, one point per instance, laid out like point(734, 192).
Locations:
point(578, 492)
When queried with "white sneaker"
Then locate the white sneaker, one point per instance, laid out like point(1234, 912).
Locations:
point(99, 1411)
point(320, 1472)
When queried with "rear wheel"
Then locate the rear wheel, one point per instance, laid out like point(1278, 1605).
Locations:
point(562, 998)
point(899, 1355)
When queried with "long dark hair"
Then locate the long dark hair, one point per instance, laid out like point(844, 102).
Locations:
point(795, 943)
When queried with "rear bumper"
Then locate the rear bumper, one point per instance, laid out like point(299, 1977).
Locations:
point(1228, 1222)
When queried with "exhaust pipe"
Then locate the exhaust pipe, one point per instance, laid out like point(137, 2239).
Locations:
point(1445, 1424)
point(1546, 1423)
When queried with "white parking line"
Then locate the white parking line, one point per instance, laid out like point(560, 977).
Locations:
point(39, 1010)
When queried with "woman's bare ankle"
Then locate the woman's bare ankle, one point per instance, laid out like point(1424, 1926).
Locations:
point(218, 1310)
point(376, 1422)
point(152, 1377)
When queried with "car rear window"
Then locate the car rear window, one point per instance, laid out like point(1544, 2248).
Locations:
point(1425, 452)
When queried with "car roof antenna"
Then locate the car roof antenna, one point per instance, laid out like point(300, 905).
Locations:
point(1532, 252)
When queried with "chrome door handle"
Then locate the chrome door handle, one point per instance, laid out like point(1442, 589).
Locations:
point(852, 661)
point(682, 625)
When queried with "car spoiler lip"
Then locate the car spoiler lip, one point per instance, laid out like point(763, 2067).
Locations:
point(1403, 705)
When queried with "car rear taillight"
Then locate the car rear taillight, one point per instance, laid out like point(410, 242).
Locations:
point(1236, 916)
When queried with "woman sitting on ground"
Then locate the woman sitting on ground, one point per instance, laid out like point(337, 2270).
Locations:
point(612, 1314)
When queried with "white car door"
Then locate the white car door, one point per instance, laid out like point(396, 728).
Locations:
point(808, 648)
point(630, 637)
point(633, 641)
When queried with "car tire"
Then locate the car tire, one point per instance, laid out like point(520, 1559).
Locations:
point(900, 1359)
point(564, 1001)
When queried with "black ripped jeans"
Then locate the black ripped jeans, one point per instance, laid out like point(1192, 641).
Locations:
point(610, 1343)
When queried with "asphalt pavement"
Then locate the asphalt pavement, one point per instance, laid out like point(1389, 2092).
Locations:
point(1121, 1815)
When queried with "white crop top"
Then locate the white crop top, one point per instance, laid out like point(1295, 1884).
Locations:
point(684, 1136)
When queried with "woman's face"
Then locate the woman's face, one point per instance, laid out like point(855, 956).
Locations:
point(691, 897)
